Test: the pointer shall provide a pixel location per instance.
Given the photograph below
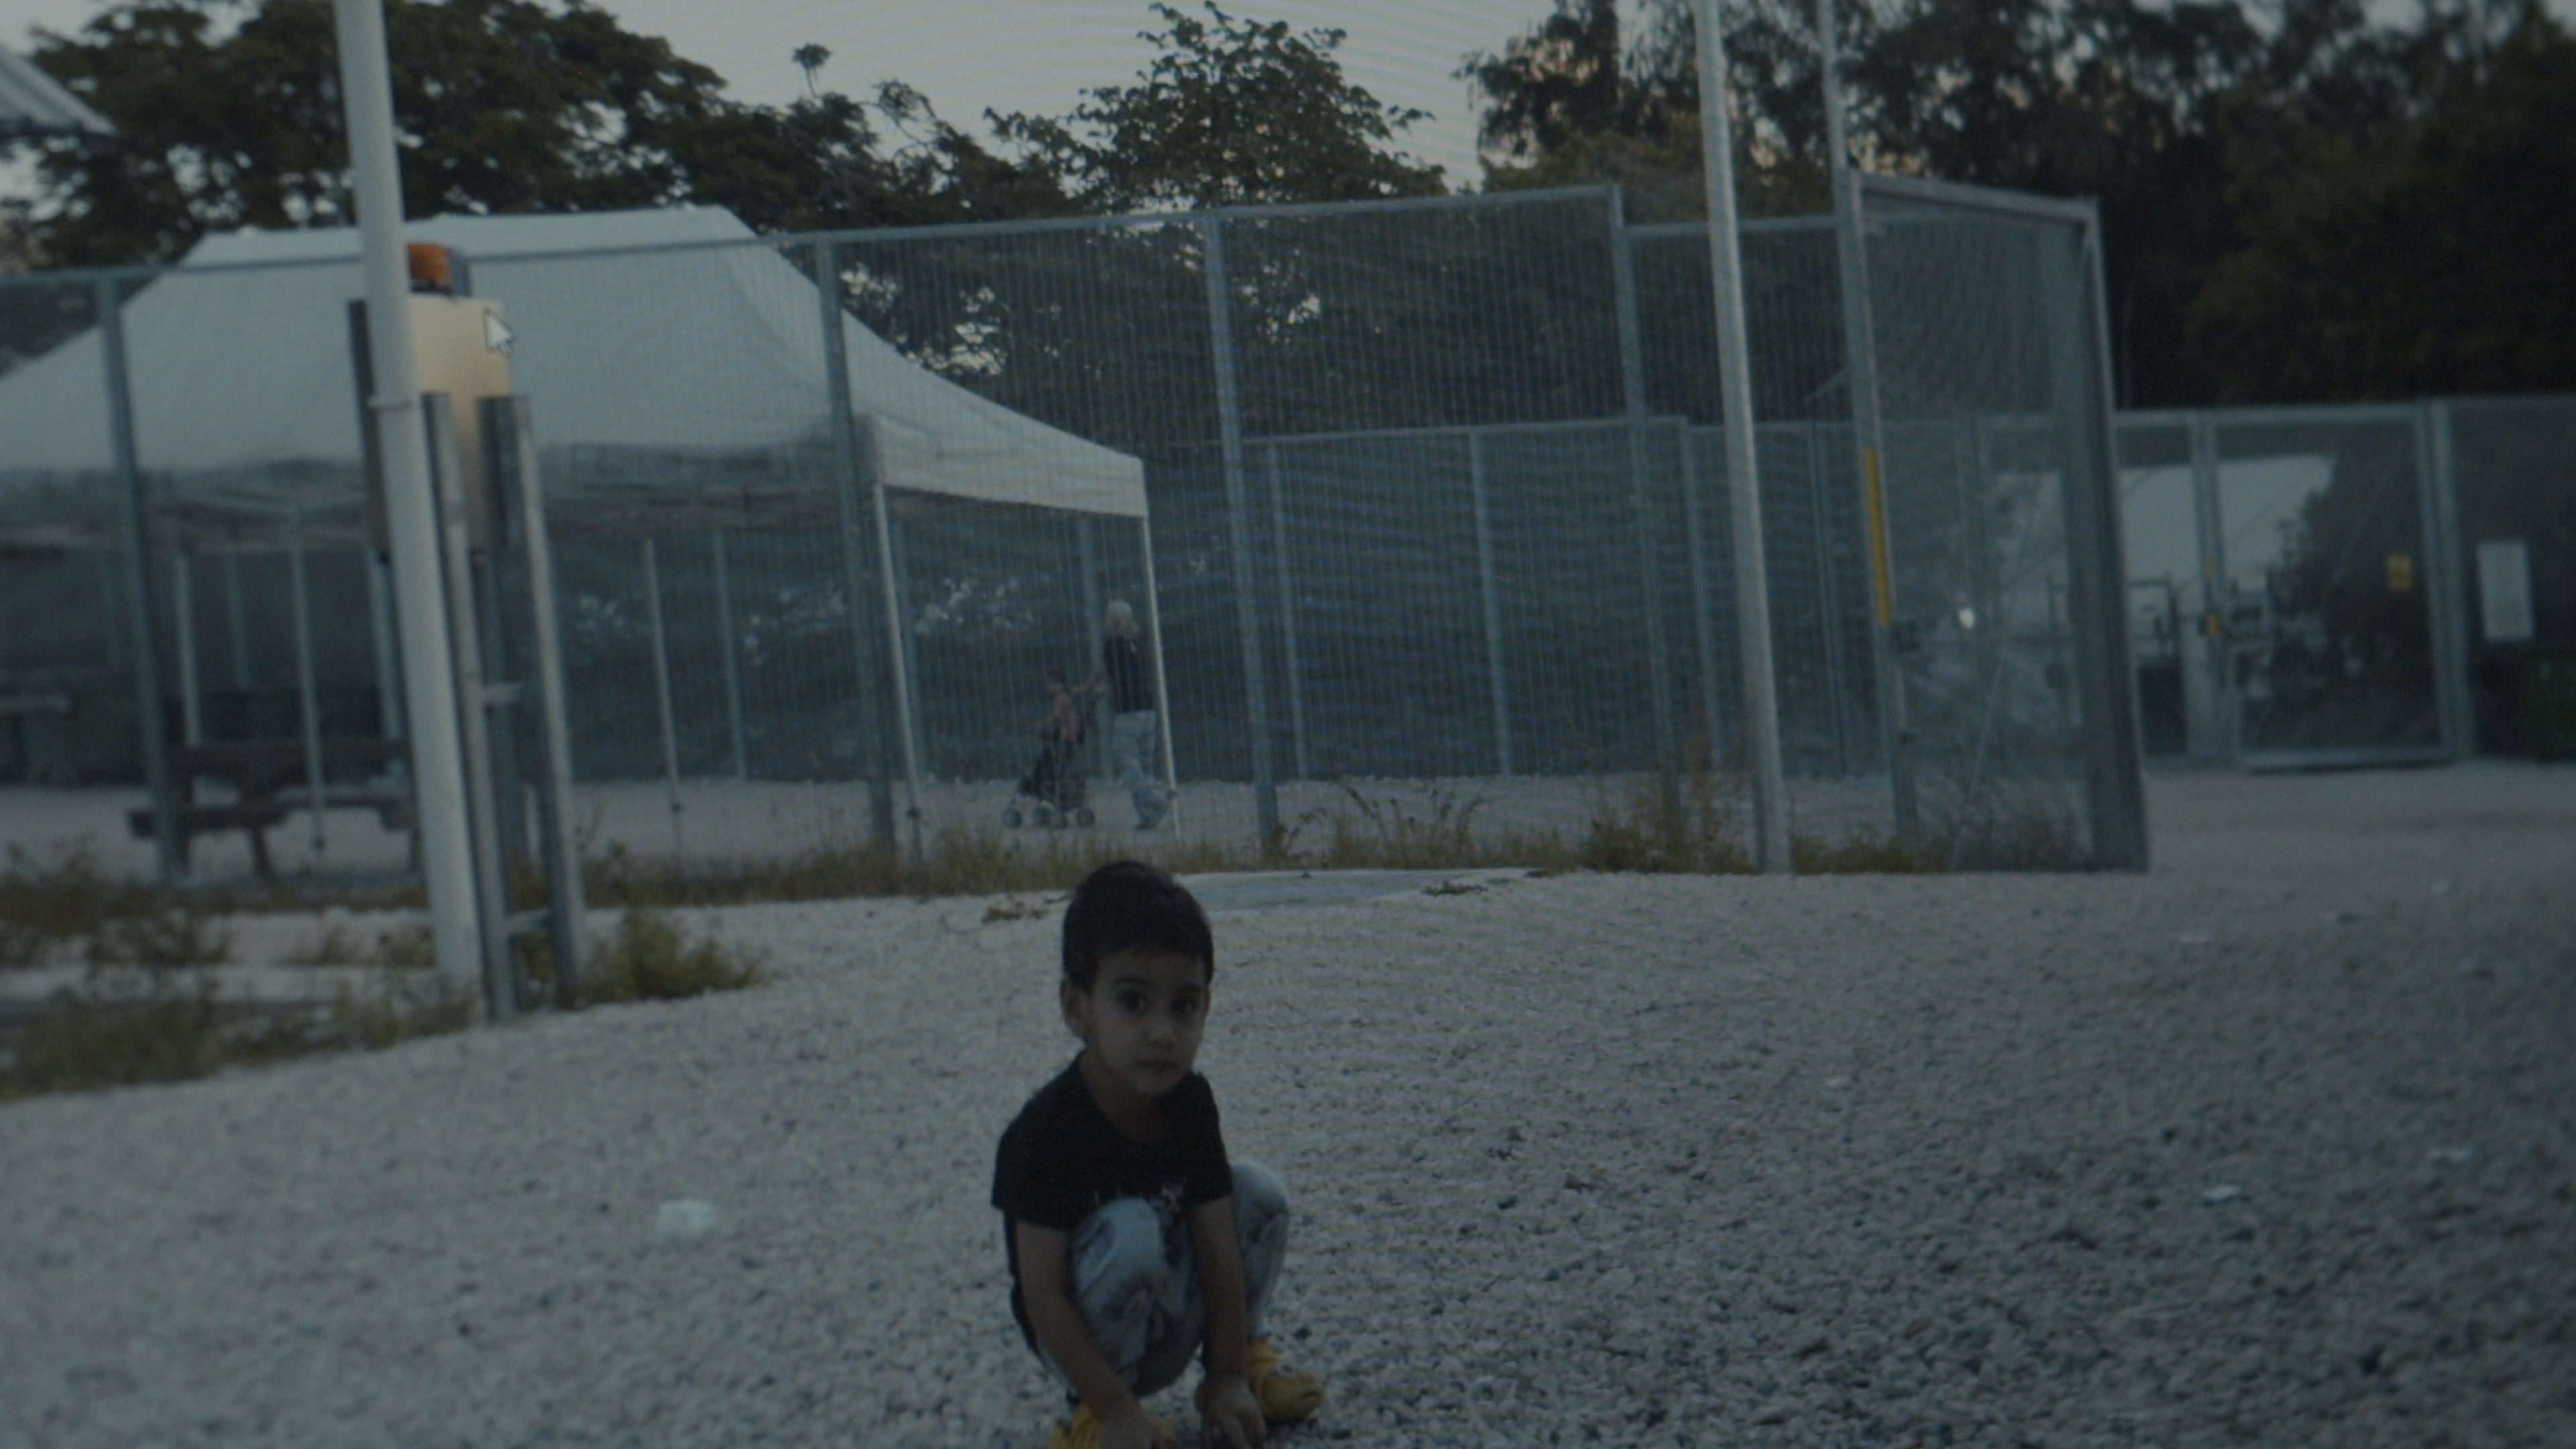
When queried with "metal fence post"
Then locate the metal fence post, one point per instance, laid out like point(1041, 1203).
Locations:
point(308, 696)
point(1703, 606)
point(732, 660)
point(2446, 576)
point(1743, 477)
point(2226, 712)
point(1493, 606)
point(508, 433)
point(1162, 685)
point(662, 691)
point(488, 887)
point(1632, 393)
point(1860, 376)
point(1247, 617)
point(380, 629)
point(1292, 666)
point(1829, 590)
point(183, 621)
point(849, 459)
point(2096, 563)
point(168, 857)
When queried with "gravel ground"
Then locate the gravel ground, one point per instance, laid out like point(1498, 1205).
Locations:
point(2272, 1146)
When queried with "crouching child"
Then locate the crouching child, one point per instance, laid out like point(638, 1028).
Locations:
point(1134, 1243)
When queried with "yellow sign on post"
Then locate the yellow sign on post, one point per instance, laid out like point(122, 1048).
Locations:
point(462, 346)
point(2401, 573)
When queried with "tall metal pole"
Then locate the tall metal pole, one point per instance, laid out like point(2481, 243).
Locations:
point(137, 520)
point(1238, 533)
point(1743, 487)
point(429, 680)
point(1860, 375)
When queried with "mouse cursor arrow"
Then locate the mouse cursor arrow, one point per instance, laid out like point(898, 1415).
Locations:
point(497, 336)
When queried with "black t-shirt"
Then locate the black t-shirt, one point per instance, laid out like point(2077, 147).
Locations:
point(1131, 687)
point(1060, 1159)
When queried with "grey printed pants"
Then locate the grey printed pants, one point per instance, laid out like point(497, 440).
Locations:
point(1133, 752)
point(1136, 1283)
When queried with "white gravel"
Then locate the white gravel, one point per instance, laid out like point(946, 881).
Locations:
point(2272, 1146)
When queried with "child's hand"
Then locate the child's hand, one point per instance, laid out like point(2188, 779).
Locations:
point(1136, 1429)
point(1229, 1417)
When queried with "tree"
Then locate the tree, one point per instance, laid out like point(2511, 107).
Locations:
point(2187, 121)
point(2428, 256)
point(499, 105)
point(1230, 112)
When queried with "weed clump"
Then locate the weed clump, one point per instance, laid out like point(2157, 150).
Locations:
point(179, 1029)
point(169, 935)
point(651, 959)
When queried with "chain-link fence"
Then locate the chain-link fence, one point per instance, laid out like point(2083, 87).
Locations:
point(2346, 584)
point(1420, 506)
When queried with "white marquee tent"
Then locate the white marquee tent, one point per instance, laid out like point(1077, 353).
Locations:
point(673, 357)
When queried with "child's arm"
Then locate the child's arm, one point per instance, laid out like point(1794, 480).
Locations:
point(1226, 1400)
point(1067, 1340)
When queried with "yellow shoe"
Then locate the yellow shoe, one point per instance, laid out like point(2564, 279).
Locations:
point(1286, 1395)
point(1081, 1430)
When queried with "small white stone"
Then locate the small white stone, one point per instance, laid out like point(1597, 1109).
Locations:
point(683, 1220)
point(2223, 1192)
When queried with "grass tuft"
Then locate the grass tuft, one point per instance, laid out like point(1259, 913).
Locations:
point(650, 958)
point(180, 1029)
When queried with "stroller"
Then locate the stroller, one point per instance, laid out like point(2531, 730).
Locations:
point(1054, 792)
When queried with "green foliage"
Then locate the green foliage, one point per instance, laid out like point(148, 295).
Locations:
point(2300, 203)
point(501, 106)
point(649, 958)
point(172, 935)
point(2428, 257)
point(175, 1029)
point(58, 900)
point(1230, 112)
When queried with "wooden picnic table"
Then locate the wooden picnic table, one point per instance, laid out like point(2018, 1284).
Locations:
point(269, 783)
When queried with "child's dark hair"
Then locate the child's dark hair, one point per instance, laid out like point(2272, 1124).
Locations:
point(1128, 905)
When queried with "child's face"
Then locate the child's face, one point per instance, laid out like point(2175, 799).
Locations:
point(1142, 1018)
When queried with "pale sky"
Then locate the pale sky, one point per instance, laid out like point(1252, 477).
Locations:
point(1038, 55)
point(1026, 55)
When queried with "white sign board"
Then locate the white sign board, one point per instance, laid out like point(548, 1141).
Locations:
point(2504, 590)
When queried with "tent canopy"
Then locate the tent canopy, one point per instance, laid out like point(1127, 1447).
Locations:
point(658, 376)
point(34, 104)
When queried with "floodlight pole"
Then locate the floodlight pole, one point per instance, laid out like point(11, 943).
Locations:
point(429, 674)
point(1860, 377)
point(1743, 482)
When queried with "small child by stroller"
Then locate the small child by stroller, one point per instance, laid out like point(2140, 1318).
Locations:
point(1054, 792)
